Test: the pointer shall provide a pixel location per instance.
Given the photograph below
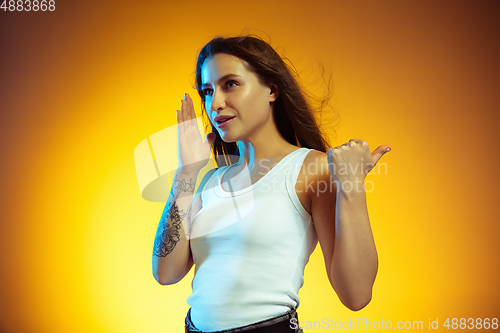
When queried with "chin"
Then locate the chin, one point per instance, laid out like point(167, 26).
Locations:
point(226, 137)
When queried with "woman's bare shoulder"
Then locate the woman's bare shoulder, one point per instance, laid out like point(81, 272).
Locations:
point(316, 164)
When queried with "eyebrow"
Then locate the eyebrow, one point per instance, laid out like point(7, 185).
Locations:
point(225, 77)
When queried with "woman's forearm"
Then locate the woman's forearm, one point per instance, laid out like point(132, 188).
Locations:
point(355, 262)
point(171, 252)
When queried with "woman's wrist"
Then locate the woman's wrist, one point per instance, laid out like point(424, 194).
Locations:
point(186, 174)
point(351, 186)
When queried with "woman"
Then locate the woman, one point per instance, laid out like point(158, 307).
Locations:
point(254, 221)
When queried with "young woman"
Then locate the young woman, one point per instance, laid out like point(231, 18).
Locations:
point(279, 189)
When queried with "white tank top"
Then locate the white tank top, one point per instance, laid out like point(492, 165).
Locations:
point(250, 248)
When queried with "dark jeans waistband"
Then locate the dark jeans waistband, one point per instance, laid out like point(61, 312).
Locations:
point(278, 324)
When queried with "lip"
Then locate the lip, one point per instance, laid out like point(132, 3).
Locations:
point(222, 116)
point(224, 124)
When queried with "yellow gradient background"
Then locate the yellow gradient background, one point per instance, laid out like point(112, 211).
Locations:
point(80, 87)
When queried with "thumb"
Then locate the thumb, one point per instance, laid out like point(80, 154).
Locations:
point(211, 138)
point(379, 152)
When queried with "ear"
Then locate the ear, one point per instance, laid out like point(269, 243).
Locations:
point(273, 95)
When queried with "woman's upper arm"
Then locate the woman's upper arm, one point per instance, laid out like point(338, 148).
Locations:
point(323, 193)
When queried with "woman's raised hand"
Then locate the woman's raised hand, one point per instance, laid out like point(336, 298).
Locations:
point(193, 152)
point(352, 161)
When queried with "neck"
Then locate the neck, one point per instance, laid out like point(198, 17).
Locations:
point(264, 148)
point(264, 144)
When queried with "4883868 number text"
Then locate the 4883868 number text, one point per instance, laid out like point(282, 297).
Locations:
point(28, 5)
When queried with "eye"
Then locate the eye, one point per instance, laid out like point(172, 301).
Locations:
point(206, 92)
point(231, 83)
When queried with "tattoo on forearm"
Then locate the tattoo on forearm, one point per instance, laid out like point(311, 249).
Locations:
point(168, 233)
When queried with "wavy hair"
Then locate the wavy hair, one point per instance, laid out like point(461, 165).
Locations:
point(291, 110)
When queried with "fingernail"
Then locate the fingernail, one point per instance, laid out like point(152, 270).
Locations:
point(185, 96)
point(388, 149)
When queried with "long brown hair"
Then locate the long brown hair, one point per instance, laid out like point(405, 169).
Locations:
point(291, 111)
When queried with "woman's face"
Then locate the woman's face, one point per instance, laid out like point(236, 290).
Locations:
point(237, 103)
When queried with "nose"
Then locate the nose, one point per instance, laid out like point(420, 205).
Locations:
point(218, 101)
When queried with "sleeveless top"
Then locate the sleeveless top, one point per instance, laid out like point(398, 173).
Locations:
point(250, 248)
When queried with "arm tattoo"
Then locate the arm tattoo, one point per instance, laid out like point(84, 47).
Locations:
point(168, 233)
